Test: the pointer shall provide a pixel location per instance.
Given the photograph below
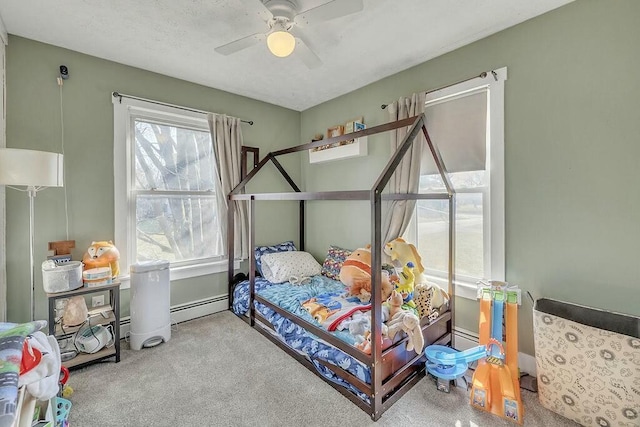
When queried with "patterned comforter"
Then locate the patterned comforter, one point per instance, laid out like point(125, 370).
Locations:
point(290, 297)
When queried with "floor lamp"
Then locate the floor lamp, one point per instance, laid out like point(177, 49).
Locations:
point(34, 170)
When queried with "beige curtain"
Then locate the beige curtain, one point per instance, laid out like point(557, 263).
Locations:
point(227, 142)
point(406, 178)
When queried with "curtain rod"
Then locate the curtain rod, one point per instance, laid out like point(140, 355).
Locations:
point(482, 75)
point(119, 95)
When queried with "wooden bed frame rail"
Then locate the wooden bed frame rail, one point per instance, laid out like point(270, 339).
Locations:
point(393, 370)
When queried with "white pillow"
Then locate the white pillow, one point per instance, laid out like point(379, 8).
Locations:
point(280, 267)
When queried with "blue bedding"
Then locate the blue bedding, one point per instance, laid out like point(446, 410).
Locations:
point(290, 297)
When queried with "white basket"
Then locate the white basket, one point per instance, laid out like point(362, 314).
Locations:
point(62, 278)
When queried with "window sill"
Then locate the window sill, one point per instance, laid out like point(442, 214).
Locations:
point(186, 272)
point(462, 289)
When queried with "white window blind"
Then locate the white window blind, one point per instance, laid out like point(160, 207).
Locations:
point(458, 127)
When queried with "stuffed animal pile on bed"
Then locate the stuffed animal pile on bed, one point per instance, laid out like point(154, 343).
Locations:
point(429, 299)
point(407, 296)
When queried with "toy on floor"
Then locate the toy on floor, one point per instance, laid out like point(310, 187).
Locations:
point(495, 385)
point(65, 390)
point(447, 364)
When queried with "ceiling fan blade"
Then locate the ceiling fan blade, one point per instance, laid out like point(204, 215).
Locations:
point(333, 9)
point(258, 7)
point(307, 55)
point(243, 43)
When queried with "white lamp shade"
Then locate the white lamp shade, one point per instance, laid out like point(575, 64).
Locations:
point(30, 168)
point(281, 43)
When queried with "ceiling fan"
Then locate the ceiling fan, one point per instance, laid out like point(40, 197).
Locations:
point(284, 33)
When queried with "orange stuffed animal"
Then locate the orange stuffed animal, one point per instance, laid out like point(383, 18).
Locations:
point(356, 274)
point(102, 254)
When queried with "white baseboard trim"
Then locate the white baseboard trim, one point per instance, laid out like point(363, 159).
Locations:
point(188, 311)
point(465, 339)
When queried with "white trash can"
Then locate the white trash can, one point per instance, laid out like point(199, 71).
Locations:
point(150, 304)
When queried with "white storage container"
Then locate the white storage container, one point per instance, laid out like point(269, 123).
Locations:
point(61, 278)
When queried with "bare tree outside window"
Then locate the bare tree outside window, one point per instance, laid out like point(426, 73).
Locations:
point(174, 193)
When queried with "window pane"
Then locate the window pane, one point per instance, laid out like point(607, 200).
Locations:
point(433, 234)
point(469, 238)
point(172, 158)
point(459, 180)
point(177, 228)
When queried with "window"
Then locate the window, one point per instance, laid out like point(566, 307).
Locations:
point(466, 122)
point(166, 204)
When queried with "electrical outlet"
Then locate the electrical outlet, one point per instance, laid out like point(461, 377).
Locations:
point(97, 301)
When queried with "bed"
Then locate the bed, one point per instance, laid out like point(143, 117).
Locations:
point(374, 380)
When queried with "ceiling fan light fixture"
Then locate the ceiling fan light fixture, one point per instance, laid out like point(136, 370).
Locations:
point(281, 43)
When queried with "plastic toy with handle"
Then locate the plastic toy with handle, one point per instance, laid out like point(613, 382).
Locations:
point(495, 386)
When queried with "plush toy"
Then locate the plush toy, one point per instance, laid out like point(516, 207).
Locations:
point(356, 275)
point(406, 284)
point(409, 323)
point(365, 345)
point(401, 253)
point(394, 303)
point(431, 300)
point(102, 254)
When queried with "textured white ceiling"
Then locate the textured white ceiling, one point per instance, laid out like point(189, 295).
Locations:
point(177, 38)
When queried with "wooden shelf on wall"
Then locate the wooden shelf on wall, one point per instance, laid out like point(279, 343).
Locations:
point(355, 149)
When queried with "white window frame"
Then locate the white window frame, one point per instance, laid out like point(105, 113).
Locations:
point(124, 110)
point(493, 200)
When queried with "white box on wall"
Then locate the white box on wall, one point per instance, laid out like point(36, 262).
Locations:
point(355, 149)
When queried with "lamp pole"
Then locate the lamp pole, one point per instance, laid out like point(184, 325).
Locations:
point(32, 195)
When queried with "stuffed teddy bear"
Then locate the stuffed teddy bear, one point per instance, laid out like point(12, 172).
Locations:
point(356, 275)
point(401, 253)
point(102, 254)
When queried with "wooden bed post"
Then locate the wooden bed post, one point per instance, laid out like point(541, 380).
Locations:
point(230, 246)
point(376, 300)
point(252, 260)
point(301, 225)
point(452, 260)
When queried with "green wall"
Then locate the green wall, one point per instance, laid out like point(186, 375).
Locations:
point(33, 122)
point(572, 120)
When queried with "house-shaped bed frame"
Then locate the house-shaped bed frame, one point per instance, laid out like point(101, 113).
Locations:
point(394, 370)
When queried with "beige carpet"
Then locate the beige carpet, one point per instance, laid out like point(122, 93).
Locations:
point(217, 371)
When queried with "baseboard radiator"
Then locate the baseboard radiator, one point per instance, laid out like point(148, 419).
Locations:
point(188, 311)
